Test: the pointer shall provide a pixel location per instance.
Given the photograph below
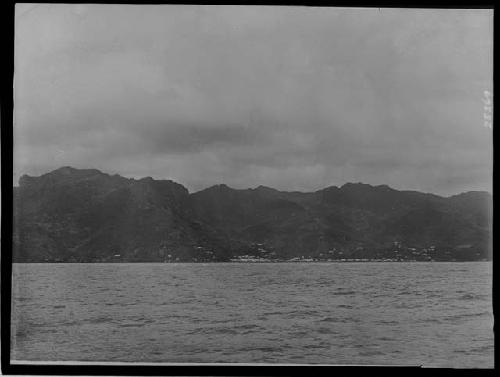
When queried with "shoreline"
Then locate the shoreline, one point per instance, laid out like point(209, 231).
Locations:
point(261, 262)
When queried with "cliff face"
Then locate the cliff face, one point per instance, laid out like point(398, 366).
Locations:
point(85, 215)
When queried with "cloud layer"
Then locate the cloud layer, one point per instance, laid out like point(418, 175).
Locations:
point(289, 97)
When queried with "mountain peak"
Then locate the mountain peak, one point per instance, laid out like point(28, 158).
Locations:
point(264, 188)
point(63, 174)
point(355, 184)
point(69, 170)
point(218, 187)
point(365, 186)
point(222, 186)
point(65, 170)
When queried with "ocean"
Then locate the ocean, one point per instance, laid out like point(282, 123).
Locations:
point(371, 313)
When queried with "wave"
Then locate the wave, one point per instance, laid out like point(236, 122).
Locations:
point(344, 293)
point(131, 325)
point(466, 315)
point(330, 319)
point(471, 296)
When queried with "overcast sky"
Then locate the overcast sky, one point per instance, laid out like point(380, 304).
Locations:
point(288, 97)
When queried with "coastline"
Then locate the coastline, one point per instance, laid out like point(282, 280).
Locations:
point(259, 262)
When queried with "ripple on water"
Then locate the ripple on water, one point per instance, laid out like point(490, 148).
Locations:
point(344, 293)
point(375, 316)
point(343, 306)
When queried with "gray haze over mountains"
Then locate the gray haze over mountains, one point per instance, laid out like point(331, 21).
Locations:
point(293, 98)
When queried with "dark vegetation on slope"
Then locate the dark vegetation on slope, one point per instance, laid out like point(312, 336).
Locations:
point(84, 215)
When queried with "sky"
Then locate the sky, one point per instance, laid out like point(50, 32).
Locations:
point(295, 98)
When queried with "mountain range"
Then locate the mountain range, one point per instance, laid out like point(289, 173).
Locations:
point(85, 215)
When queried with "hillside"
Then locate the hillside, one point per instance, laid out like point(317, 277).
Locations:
point(84, 215)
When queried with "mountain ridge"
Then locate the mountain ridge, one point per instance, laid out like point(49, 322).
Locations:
point(86, 215)
point(67, 169)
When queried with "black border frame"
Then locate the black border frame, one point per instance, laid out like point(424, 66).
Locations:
point(7, 22)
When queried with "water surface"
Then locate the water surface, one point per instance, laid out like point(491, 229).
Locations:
point(435, 314)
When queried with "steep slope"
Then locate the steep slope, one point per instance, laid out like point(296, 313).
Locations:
point(85, 215)
point(346, 218)
point(82, 215)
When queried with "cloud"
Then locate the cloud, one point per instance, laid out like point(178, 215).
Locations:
point(289, 97)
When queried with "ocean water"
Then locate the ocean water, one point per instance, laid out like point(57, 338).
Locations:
point(433, 314)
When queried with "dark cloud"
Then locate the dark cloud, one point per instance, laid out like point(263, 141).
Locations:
point(290, 97)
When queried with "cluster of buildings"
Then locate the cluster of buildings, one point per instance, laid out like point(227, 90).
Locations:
point(393, 252)
point(259, 252)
